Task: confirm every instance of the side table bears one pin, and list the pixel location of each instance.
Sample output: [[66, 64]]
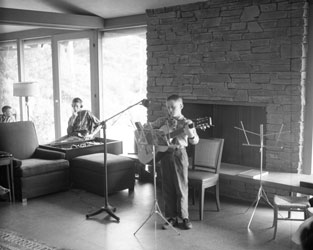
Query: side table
[[6, 160]]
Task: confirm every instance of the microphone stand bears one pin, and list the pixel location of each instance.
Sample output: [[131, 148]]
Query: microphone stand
[[107, 207]]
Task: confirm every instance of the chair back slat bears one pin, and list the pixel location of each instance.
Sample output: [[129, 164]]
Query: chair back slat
[[208, 154]]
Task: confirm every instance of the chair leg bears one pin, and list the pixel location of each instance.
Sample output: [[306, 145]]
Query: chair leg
[[201, 202], [275, 222], [217, 197], [193, 196]]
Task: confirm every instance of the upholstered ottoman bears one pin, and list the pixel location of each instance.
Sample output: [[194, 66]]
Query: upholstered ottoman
[[87, 172]]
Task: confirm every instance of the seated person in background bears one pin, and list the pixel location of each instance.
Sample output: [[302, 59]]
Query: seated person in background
[[7, 115], [82, 125], [307, 237], [304, 235]]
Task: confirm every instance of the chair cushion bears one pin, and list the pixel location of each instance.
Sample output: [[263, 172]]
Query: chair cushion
[[291, 202], [203, 176], [34, 166], [95, 162]]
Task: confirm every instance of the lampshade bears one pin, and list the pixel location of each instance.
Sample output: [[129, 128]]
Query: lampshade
[[25, 89]]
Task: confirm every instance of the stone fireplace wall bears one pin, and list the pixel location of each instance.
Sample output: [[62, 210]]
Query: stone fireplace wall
[[236, 52]]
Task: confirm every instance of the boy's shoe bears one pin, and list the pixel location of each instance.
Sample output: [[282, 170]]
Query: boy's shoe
[[187, 224], [171, 221], [3, 190]]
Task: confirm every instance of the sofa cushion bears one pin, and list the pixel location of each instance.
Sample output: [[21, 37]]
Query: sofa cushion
[[18, 138], [95, 162], [34, 166]]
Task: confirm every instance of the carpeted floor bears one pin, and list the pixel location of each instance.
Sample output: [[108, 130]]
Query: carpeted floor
[[13, 241]]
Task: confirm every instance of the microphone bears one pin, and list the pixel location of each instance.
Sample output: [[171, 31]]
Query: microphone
[[145, 103]]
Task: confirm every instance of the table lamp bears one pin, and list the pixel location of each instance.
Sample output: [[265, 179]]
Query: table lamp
[[25, 89]]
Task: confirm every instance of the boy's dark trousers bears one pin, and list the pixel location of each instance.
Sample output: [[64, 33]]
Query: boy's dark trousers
[[174, 167]]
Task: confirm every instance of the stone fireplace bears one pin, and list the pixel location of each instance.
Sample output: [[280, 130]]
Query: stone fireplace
[[225, 118], [241, 54]]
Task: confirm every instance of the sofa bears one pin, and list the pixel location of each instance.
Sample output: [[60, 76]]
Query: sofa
[[42, 169], [37, 171]]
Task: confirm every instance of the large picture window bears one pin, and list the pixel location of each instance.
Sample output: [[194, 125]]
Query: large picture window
[[124, 81], [74, 75], [8, 75], [38, 68]]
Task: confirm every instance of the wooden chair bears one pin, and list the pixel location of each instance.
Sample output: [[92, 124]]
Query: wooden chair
[[205, 168], [289, 204]]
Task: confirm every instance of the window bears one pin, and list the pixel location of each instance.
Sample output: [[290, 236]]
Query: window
[[8, 75], [49, 110], [124, 81], [74, 74], [38, 68]]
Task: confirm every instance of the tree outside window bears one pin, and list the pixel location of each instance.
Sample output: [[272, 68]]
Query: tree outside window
[[8, 75], [38, 68], [124, 81]]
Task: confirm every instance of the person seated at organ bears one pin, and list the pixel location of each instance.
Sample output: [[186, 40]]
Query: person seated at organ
[[82, 123]]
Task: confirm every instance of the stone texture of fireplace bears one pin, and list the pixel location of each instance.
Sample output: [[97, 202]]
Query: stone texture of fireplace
[[236, 53]]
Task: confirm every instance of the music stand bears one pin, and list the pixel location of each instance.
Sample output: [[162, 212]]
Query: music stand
[[261, 191], [107, 207], [147, 137]]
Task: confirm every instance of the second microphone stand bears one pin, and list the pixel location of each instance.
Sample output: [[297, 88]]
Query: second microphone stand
[[107, 207]]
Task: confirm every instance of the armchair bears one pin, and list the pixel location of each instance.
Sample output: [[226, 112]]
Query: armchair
[[37, 171]]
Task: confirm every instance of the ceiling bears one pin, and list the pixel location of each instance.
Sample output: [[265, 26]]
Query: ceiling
[[102, 8]]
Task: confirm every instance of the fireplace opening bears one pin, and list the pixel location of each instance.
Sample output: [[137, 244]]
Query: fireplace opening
[[225, 118]]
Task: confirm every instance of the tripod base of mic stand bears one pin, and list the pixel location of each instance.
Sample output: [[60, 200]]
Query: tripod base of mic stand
[[108, 209], [261, 194], [156, 210]]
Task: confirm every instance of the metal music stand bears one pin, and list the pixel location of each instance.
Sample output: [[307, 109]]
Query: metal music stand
[[107, 207], [148, 137], [261, 192]]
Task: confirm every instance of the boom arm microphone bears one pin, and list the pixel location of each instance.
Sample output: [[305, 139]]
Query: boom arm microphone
[[145, 103]]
